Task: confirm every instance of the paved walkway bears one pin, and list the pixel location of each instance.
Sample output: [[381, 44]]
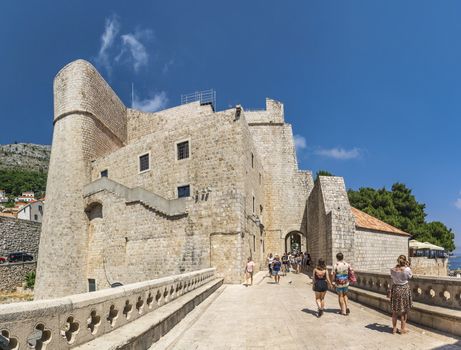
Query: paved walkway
[[270, 316]]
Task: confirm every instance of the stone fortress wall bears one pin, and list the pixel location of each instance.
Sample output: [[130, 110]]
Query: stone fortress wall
[[17, 235], [286, 187], [247, 195], [332, 229]]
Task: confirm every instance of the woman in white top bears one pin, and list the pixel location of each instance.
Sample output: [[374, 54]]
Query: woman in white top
[[400, 293]]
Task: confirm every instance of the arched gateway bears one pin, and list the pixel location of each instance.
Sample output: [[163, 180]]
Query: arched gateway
[[294, 242]]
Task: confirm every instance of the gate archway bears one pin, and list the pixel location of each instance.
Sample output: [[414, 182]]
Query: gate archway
[[293, 242]]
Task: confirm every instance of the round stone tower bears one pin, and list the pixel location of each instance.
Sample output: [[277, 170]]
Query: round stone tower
[[89, 122]]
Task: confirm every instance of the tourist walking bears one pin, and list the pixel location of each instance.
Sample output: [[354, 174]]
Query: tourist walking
[[341, 279], [269, 264], [321, 282], [400, 293], [285, 267], [249, 268], [276, 266], [299, 261]]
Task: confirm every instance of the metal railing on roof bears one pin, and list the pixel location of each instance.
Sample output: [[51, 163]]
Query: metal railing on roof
[[205, 97]]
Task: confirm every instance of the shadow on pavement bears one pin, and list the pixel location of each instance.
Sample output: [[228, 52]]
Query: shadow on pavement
[[379, 327], [455, 346], [309, 311]]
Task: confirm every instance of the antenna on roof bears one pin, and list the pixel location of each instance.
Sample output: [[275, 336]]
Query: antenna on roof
[[132, 94]]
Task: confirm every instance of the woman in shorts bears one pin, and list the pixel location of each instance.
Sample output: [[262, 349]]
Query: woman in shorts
[[321, 282]]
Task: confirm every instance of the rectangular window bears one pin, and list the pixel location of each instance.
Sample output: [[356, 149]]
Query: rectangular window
[[254, 243], [91, 285], [183, 150], [105, 173], [144, 162], [252, 160], [35, 217], [183, 191], [253, 204]]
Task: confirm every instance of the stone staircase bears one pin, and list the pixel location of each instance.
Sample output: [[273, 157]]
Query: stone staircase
[[170, 208]]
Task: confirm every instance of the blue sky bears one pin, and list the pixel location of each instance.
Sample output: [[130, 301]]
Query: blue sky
[[372, 88]]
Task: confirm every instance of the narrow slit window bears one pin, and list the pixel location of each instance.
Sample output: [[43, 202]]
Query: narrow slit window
[[144, 162], [183, 150], [252, 160]]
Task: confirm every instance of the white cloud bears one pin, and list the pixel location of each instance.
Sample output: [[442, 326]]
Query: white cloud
[[339, 153], [133, 50], [156, 103], [458, 202], [111, 29], [300, 142]]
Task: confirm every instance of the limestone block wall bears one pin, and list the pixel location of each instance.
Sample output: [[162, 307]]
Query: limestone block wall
[[377, 251], [132, 243], [14, 275], [223, 181], [331, 224], [18, 235], [88, 123], [286, 188], [429, 267], [319, 227], [342, 222]]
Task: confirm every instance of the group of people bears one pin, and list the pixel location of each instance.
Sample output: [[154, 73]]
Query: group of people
[[342, 275], [293, 261]]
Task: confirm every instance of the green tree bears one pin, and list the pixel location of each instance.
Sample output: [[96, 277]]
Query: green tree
[[399, 207], [16, 181], [322, 173]]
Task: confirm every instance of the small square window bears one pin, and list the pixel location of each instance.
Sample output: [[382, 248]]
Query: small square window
[[144, 162], [35, 217], [105, 173], [183, 150], [183, 191]]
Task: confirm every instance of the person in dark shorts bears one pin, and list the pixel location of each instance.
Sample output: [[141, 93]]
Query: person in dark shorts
[[285, 264], [321, 282], [276, 267]]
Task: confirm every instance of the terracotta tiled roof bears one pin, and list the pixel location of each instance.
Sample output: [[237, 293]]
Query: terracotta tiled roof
[[364, 220]]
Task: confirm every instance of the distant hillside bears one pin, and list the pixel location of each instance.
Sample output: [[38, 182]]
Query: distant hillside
[[25, 156]]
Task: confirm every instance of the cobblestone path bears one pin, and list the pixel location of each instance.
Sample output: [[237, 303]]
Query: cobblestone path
[[270, 316]]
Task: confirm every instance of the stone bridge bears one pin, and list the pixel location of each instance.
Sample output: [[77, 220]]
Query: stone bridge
[[196, 311]]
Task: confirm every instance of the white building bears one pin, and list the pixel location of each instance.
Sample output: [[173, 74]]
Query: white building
[[26, 197], [3, 197], [32, 211]]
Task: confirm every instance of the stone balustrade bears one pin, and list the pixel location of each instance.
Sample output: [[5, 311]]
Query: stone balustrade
[[70, 321], [436, 291]]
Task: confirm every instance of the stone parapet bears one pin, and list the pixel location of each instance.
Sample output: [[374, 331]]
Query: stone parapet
[[67, 322], [437, 291]]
